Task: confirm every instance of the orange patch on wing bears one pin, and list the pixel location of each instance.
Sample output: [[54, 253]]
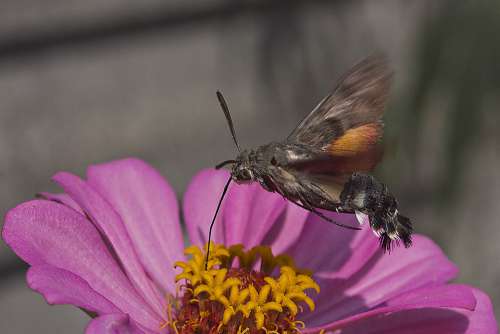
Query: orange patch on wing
[[361, 162], [354, 141]]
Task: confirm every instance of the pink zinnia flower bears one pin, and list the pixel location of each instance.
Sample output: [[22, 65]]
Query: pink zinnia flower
[[109, 245]]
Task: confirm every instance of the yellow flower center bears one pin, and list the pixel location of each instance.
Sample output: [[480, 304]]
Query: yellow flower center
[[220, 298]]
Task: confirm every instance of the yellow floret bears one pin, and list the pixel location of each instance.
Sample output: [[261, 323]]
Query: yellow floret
[[278, 294]]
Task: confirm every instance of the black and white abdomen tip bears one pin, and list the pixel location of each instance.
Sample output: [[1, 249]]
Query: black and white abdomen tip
[[399, 229]]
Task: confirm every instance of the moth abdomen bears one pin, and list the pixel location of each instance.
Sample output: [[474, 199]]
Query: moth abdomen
[[363, 193]]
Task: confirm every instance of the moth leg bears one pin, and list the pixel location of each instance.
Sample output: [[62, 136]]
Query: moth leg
[[295, 195], [334, 222], [326, 203], [299, 205], [308, 207]]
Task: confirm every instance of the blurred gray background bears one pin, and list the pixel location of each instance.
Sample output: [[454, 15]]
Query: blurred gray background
[[83, 82]]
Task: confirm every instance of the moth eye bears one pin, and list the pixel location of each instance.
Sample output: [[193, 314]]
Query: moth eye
[[273, 161], [245, 174]]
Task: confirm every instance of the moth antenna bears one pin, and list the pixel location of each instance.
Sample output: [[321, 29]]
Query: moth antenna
[[213, 220], [225, 109]]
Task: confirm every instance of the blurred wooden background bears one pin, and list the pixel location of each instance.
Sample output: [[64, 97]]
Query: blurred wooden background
[[83, 82]]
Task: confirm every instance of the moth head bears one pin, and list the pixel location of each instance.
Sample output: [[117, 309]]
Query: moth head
[[242, 173]]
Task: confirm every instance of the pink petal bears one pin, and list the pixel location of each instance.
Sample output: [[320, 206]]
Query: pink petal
[[450, 295], [286, 230], [60, 286], [200, 202], [47, 233], [444, 296], [324, 247], [112, 324], [482, 319], [148, 207], [110, 225], [388, 275], [454, 309], [63, 199], [358, 276], [248, 215]]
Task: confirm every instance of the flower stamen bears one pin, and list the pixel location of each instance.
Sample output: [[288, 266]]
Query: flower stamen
[[229, 296]]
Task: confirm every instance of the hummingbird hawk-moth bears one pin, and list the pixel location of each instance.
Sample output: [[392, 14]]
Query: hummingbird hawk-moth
[[322, 163]]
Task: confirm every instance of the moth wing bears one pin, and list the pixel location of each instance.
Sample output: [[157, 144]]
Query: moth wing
[[330, 169], [331, 185], [345, 129], [358, 101]]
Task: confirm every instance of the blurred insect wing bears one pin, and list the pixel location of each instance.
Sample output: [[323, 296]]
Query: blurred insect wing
[[343, 132], [358, 101]]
